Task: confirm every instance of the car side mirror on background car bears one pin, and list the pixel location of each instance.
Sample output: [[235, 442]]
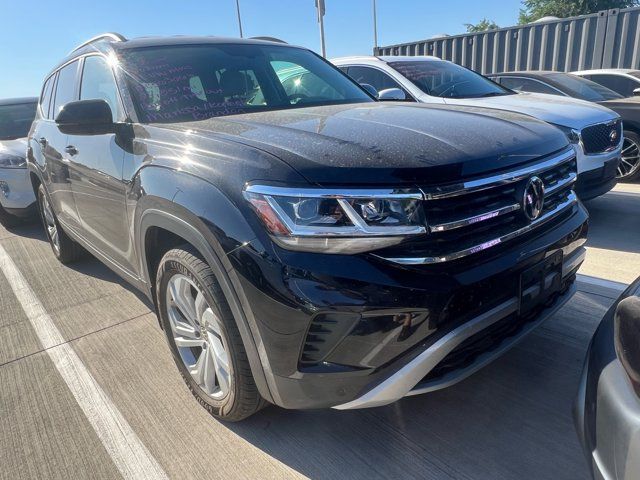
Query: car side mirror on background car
[[370, 89], [636, 92], [391, 94], [627, 337], [85, 117]]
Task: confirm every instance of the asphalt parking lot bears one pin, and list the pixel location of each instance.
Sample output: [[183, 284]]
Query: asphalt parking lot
[[511, 420]]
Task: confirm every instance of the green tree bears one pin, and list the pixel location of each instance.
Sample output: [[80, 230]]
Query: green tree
[[482, 26], [534, 9]]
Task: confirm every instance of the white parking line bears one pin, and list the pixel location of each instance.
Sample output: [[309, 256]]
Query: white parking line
[[128, 453]]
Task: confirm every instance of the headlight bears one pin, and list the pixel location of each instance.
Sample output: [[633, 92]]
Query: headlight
[[572, 134], [337, 221], [12, 161]]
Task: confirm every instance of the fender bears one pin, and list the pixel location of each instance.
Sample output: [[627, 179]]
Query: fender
[[155, 211]]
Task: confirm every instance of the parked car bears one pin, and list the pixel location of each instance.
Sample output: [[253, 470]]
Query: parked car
[[16, 193], [624, 81], [607, 409], [595, 131], [568, 85], [310, 248]]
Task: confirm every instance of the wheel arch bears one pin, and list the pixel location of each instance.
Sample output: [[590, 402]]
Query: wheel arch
[[173, 230]]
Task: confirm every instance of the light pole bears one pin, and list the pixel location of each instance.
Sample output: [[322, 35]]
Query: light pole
[[239, 19], [320, 8], [375, 27]]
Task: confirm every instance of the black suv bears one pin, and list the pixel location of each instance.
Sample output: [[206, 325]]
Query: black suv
[[304, 244]]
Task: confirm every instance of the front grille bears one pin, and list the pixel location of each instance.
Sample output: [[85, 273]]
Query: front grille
[[601, 137], [479, 214]]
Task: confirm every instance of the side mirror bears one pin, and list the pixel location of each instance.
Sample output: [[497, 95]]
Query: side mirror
[[627, 337], [85, 117], [392, 94], [371, 89], [636, 92]]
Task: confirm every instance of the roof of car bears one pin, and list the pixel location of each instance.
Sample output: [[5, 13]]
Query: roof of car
[[607, 70], [384, 58], [105, 43], [17, 101]]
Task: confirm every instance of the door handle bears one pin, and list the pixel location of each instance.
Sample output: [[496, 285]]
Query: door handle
[[42, 141], [71, 150]]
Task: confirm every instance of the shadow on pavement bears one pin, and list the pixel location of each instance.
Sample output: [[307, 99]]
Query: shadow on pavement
[[615, 222]]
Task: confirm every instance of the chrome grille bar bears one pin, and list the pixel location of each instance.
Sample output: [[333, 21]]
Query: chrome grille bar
[[571, 200], [564, 183], [464, 222], [505, 178]]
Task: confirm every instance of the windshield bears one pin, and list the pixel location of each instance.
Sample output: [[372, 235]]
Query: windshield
[[15, 120], [186, 83], [445, 79], [582, 88]]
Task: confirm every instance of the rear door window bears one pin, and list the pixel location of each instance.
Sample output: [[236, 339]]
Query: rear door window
[[527, 85], [66, 87], [623, 85], [45, 98]]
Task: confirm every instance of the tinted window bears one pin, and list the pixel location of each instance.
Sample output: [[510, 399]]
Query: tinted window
[[622, 85], [527, 85], [186, 83], [16, 119], [445, 79], [582, 88], [98, 83], [45, 99], [65, 89], [374, 77]]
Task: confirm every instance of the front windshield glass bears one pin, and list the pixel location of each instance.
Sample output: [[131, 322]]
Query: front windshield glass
[[16, 119], [448, 80], [582, 88], [186, 83]]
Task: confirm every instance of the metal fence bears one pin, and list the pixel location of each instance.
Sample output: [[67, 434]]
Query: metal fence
[[607, 39]]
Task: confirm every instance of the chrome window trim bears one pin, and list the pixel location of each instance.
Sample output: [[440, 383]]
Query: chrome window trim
[[464, 188], [571, 200]]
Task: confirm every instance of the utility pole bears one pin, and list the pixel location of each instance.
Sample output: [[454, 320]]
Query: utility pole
[[375, 28], [320, 8], [239, 19]]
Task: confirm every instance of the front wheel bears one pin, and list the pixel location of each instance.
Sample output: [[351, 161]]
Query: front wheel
[[203, 336], [629, 168]]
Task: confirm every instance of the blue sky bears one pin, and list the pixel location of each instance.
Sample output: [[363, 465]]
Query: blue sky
[[35, 34]]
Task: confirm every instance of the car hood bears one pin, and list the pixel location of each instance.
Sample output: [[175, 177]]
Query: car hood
[[16, 147], [565, 111], [388, 143]]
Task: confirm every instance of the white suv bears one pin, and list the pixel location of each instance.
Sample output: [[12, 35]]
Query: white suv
[[595, 131]]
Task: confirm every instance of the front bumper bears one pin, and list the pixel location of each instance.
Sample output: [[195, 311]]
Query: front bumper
[[596, 173], [335, 327], [607, 409], [16, 191]]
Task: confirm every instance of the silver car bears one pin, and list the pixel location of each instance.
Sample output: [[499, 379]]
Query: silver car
[[16, 193], [595, 131]]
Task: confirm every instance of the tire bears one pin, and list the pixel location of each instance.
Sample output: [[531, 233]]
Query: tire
[[207, 334], [64, 248], [629, 169], [7, 219]]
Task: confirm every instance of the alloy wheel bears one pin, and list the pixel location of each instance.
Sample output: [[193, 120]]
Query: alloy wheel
[[199, 337], [630, 162], [50, 224]]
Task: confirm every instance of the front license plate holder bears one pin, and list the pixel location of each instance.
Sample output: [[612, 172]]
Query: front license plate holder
[[540, 282]]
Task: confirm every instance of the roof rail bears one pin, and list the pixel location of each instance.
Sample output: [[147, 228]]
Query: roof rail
[[114, 37], [269, 39]]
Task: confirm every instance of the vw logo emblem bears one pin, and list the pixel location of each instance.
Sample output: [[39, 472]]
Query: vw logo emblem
[[533, 200], [613, 136]]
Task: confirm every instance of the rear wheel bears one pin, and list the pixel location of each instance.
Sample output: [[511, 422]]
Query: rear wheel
[[64, 248], [629, 168], [203, 336]]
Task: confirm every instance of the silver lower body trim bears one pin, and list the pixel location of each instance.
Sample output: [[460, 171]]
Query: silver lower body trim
[[404, 381]]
